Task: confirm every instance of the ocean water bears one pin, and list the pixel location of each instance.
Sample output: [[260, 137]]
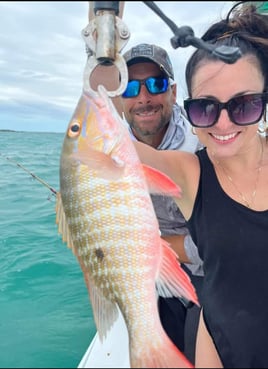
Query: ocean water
[[46, 318]]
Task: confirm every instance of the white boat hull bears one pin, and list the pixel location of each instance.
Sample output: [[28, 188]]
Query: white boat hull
[[113, 352]]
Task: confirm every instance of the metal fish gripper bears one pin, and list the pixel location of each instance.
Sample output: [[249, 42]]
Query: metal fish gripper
[[105, 36]]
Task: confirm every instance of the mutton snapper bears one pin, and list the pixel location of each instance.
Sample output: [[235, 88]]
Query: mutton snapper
[[105, 214]]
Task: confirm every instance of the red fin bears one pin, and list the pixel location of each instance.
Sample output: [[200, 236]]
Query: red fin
[[159, 183], [172, 279]]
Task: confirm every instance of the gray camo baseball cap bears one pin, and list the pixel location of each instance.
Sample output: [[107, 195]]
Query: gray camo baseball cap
[[149, 52]]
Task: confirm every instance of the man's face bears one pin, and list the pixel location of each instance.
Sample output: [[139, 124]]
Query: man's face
[[148, 114]]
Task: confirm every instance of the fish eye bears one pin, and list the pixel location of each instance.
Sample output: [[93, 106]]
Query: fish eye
[[74, 129]]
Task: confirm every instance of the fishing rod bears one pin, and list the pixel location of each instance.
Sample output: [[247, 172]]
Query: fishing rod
[[54, 192], [183, 36]]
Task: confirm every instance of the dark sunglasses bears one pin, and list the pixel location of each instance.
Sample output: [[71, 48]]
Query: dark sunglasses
[[154, 85], [242, 110]]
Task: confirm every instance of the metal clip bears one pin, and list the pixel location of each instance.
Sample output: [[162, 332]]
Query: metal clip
[[105, 36]]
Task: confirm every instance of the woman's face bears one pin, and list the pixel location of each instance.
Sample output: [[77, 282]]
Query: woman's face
[[223, 82]]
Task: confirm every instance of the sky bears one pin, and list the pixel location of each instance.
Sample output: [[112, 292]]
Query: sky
[[42, 54]]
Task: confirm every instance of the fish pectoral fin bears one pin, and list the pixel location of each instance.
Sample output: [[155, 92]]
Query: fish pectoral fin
[[105, 311], [172, 279], [63, 227], [159, 183], [104, 165]]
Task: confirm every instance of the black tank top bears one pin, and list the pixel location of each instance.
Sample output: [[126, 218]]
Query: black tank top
[[233, 242]]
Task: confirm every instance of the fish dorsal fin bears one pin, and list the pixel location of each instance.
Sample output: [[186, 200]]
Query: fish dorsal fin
[[172, 279], [63, 227], [159, 183]]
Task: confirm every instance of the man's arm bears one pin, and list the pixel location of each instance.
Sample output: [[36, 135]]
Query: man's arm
[[176, 241], [187, 251]]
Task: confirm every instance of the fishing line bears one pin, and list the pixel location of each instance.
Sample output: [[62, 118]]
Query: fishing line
[[54, 192]]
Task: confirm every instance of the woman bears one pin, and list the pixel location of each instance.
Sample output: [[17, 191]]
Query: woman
[[225, 191]]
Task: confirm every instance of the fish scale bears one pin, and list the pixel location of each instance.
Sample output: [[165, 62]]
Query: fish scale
[[105, 214]]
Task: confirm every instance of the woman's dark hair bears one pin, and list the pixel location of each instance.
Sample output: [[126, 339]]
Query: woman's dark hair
[[244, 27]]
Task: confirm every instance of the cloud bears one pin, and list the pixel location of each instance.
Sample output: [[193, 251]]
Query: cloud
[[42, 53]]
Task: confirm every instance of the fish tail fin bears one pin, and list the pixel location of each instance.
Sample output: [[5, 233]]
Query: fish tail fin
[[167, 355]]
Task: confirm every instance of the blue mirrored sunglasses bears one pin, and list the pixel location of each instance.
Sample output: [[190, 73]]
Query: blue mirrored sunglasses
[[154, 85]]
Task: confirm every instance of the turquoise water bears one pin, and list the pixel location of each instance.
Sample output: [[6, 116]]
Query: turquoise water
[[46, 317]]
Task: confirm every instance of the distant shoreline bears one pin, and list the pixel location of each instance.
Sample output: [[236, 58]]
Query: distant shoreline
[[15, 131]]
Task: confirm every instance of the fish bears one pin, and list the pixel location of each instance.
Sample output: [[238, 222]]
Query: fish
[[105, 215]]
